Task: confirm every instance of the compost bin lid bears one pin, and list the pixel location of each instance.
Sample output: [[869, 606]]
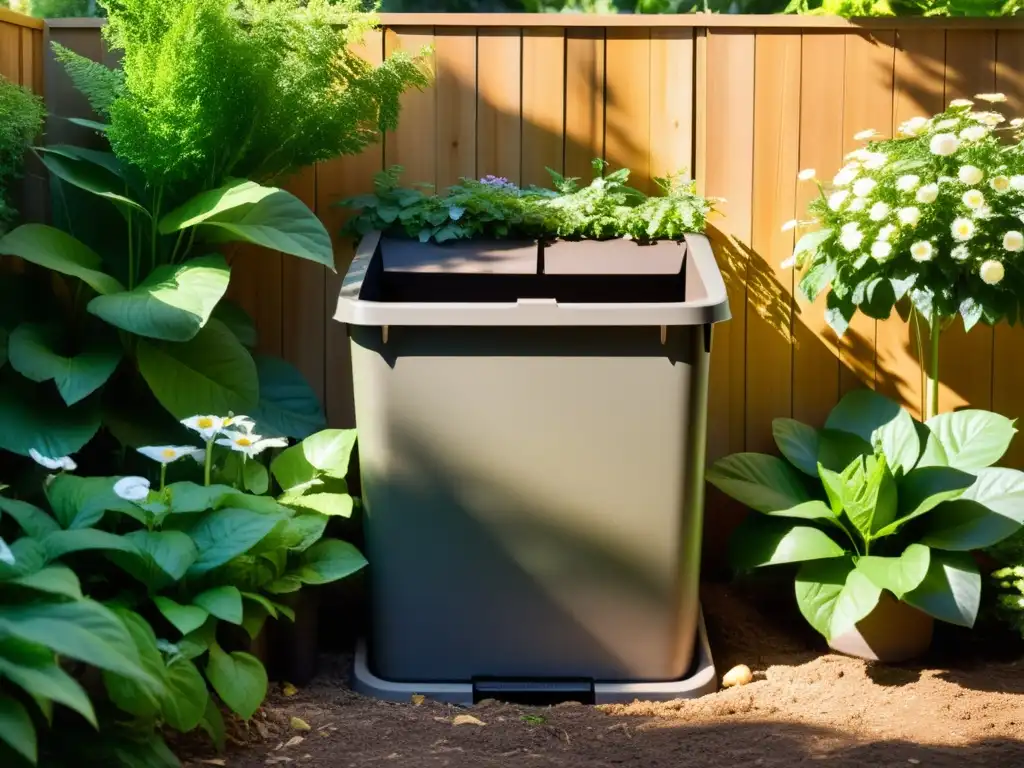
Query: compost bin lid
[[503, 257]]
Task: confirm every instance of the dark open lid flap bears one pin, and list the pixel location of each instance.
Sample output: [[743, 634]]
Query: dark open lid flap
[[506, 257]]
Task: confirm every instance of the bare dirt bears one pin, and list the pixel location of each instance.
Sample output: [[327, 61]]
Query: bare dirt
[[962, 706]]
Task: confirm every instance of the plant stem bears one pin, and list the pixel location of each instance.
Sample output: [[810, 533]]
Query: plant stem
[[915, 320], [163, 476], [177, 245], [131, 253], [932, 399], [156, 218], [853, 541], [209, 462]]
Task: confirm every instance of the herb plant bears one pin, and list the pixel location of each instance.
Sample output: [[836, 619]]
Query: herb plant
[[21, 119], [876, 501]]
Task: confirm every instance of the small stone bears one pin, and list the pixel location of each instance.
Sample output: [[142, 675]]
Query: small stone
[[288, 689], [738, 675], [294, 741], [418, 699], [298, 724], [912, 761], [467, 720]]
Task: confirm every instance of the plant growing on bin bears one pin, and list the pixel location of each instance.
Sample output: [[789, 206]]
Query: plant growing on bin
[[217, 102], [21, 120], [876, 501]]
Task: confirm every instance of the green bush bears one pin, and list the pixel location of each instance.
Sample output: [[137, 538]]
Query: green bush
[[21, 120]]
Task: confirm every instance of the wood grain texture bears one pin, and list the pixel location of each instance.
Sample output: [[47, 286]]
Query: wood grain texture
[[455, 58], [628, 104], [499, 105], [543, 104], [414, 145], [769, 371], [672, 95], [10, 52], [584, 100], [15, 19]]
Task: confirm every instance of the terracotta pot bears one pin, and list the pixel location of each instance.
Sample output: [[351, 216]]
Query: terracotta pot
[[613, 257], [893, 632]]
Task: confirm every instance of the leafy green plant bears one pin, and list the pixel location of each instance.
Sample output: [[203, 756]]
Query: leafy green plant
[[215, 103], [1009, 599], [856, 8], [876, 501], [21, 120]]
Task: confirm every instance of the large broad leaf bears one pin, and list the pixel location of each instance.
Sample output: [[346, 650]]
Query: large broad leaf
[[63, 543], [329, 560], [798, 442], [51, 248], [952, 589], [325, 454], [32, 520], [288, 407], [141, 698], [53, 579], [35, 418], [868, 495], [164, 557], [900, 574], [837, 449], [255, 478], [189, 498], [881, 422], [34, 668], [238, 193], [986, 513], [238, 321], [761, 482], [340, 505], [80, 502], [95, 172], [923, 489], [185, 618], [213, 723], [212, 373], [36, 353], [226, 533], [760, 541], [29, 557], [239, 679], [82, 630], [833, 595], [172, 304], [303, 531], [223, 602], [187, 697], [972, 439], [16, 729]]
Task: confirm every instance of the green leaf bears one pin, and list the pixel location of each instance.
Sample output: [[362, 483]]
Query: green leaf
[[54, 580], [760, 541], [212, 373], [53, 249], [952, 589], [900, 574], [139, 697], [238, 322], [198, 641], [213, 724], [923, 489], [16, 729], [883, 423], [226, 533], [32, 520], [989, 511], [172, 304], [186, 701], [189, 498], [185, 618], [82, 630], [972, 439], [836, 449], [253, 620], [761, 482], [259, 599], [879, 298], [80, 502], [839, 313], [816, 279], [329, 560], [163, 557], [239, 679], [326, 453], [303, 531], [971, 310], [285, 585], [223, 602], [248, 212], [255, 477], [35, 353], [288, 406], [810, 242], [833, 595], [340, 504], [29, 557], [81, 168], [798, 442], [63, 543], [37, 672], [35, 418], [869, 496]]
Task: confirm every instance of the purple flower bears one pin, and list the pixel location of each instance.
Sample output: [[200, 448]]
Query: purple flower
[[498, 181]]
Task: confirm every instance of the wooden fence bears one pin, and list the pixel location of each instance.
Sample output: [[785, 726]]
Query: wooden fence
[[21, 62], [745, 102]]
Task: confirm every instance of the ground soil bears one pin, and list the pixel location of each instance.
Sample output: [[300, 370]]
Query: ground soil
[[962, 706]]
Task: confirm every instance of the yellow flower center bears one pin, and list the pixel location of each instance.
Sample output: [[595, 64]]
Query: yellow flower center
[[205, 422], [168, 453], [244, 442]]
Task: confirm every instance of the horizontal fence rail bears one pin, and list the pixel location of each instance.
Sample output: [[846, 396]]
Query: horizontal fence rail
[[742, 103]]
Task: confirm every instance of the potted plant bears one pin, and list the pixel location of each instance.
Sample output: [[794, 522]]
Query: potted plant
[[881, 512]]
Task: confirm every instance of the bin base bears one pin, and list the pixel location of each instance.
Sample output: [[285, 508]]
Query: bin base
[[702, 680]]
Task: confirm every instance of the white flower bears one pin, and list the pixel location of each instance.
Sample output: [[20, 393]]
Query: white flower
[[907, 183], [914, 126], [241, 422], [836, 199], [992, 272], [974, 133], [1013, 241], [878, 211], [250, 445], [999, 183], [206, 426], [984, 212], [909, 216], [845, 176], [928, 193], [875, 161], [851, 239], [970, 175], [921, 251], [64, 462], [857, 156], [881, 250], [974, 199], [960, 253], [886, 232], [165, 454], [791, 224], [6, 555], [858, 204], [991, 119], [1017, 182], [806, 174], [788, 263], [198, 455], [962, 229], [947, 125], [961, 103], [870, 133], [991, 98], [944, 144], [850, 226], [864, 187], [132, 488], [1017, 122]]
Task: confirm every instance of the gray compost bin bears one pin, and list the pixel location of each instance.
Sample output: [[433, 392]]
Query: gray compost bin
[[532, 459]]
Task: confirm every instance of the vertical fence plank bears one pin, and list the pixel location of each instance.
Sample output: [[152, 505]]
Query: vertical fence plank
[[918, 84], [543, 104], [499, 103], [815, 356], [584, 100], [672, 127], [455, 54], [10, 52], [414, 144], [628, 103], [769, 371], [965, 360]]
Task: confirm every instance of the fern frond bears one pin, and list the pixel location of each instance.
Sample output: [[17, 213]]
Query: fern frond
[[99, 84]]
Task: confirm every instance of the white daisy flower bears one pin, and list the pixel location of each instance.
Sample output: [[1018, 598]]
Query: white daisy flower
[[909, 216], [870, 133], [876, 161], [878, 211], [944, 144], [886, 232], [864, 187], [249, 444], [991, 119], [991, 98], [132, 488], [922, 251], [970, 175], [1013, 241], [198, 455], [206, 426], [1017, 122], [914, 126], [961, 253], [974, 133], [907, 183], [851, 239], [65, 463], [858, 204], [881, 250], [836, 199], [845, 176], [927, 194], [165, 454], [241, 422], [992, 272], [961, 103], [1017, 183], [806, 175], [962, 229], [974, 199], [999, 183]]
